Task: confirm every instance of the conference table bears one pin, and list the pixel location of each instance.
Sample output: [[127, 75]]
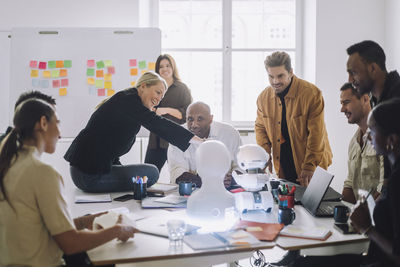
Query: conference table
[[150, 250]]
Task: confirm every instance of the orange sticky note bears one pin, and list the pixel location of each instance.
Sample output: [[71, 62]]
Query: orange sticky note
[[134, 72], [99, 73], [133, 83], [107, 77], [60, 64], [90, 81], [46, 74], [63, 73], [108, 85], [143, 72], [152, 66], [62, 91], [34, 73], [110, 92]]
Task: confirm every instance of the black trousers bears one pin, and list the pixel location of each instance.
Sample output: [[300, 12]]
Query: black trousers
[[156, 157]]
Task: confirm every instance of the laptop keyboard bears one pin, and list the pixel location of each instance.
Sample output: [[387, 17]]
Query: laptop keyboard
[[325, 209]]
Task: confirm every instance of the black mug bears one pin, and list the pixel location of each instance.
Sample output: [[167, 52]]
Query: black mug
[[341, 214], [139, 191], [286, 215], [186, 188]]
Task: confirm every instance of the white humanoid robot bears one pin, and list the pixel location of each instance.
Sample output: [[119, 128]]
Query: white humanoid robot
[[251, 159]]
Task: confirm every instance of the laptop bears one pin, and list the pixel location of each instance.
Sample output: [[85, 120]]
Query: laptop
[[312, 198]]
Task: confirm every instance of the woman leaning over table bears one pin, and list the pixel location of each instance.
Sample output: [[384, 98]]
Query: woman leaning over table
[[173, 106], [111, 132], [35, 225], [384, 249]]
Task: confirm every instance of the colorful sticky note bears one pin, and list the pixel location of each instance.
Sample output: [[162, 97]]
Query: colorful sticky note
[[46, 74], [100, 64], [90, 81], [62, 91], [59, 64], [132, 63], [108, 85], [67, 63], [33, 64], [110, 92], [44, 83], [63, 73], [101, 92], [152, 66], [99, 73], [134, 72], [99, 83], [107, 77], [35, 83], [107, 63], [142, 64], [90, 63], [55, 73], [42, 65], [64, 82], [143, 72], [56, 83], [92, 90], [133, 83], [34, 73], [111, 70], [51, 64], [90, 72]]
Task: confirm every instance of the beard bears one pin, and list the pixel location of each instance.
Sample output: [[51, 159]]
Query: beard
[[366, 87]]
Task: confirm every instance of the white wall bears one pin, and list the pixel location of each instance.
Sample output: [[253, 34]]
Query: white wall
[[392, 37], [339, 24]]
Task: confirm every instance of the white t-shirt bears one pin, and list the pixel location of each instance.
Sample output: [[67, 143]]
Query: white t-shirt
[[35, 190], [180, 162]]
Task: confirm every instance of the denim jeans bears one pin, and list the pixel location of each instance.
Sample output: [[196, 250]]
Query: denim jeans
[[119, 179]]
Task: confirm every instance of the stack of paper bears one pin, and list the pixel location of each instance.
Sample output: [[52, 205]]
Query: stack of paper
[[307, 232], [162, 188], [95, 198]]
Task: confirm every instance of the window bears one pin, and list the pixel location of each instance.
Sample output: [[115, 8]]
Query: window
[[220, 47]]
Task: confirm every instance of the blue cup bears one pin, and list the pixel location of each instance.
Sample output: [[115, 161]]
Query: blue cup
[[286, 215]]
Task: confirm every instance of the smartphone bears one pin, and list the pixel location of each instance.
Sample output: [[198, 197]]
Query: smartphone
[[345, 228], [124, 198]]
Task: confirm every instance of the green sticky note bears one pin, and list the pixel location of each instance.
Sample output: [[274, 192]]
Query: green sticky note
[[52, 64], [107, 63], [90, 72], [67, 63], [142, 64], [100, 64], [99, 84], [55, 73]]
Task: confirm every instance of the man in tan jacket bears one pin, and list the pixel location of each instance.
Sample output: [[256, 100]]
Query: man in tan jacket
[[290, 122]]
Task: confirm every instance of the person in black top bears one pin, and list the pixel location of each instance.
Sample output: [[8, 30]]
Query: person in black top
[[384, 249], [173, 106], [111, 132]]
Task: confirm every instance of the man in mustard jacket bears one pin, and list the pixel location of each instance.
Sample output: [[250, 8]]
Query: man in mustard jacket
[[290, 122]]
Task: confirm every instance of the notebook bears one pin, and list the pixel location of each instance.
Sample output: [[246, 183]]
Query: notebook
[[312, 198], [306, 232], [162, 188], [95, 198], [261, 231]]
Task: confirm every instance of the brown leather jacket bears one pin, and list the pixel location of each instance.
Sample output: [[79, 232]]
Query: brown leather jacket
[[305, 121]]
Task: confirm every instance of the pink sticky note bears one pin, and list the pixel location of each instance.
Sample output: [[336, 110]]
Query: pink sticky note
[[56, 83], [90, 63], [64, 82], [101, 92], [132, 63], [111, 70], [42, 65], [33, 64]]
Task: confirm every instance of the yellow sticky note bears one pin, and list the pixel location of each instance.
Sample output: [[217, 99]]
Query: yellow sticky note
[[110, 92], [34, 73], [62, 91], [133, 83], [134, 72], [55, 73], [46, 74], [152, 66], [107, 63], [90, 81], [63, 73], [108, 85], [107, 77], [254, 229], [99, 84], [143, 72]]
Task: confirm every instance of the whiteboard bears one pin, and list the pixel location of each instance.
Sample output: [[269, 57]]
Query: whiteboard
[[80, 67], [5, 43]]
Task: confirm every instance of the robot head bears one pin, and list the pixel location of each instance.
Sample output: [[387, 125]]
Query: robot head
[[252, 157]]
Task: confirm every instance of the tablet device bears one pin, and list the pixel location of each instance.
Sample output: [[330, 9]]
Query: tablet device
[[344, 228], [124, 198]]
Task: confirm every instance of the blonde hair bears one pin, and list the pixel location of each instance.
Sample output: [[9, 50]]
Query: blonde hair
[[175, 74], [149, 79]]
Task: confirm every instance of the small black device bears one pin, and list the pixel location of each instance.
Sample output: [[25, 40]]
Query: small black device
[[124, 198], [345, 228]]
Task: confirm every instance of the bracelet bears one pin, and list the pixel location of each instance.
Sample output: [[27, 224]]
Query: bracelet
[[367, 230]]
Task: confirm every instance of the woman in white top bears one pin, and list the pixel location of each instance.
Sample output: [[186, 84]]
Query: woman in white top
[[35, 225]]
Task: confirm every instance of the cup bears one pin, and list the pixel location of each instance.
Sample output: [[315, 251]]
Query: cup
[[176, 231], [186, 188], [286, 201], [341, 214], [139, 191], [286, 215]]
